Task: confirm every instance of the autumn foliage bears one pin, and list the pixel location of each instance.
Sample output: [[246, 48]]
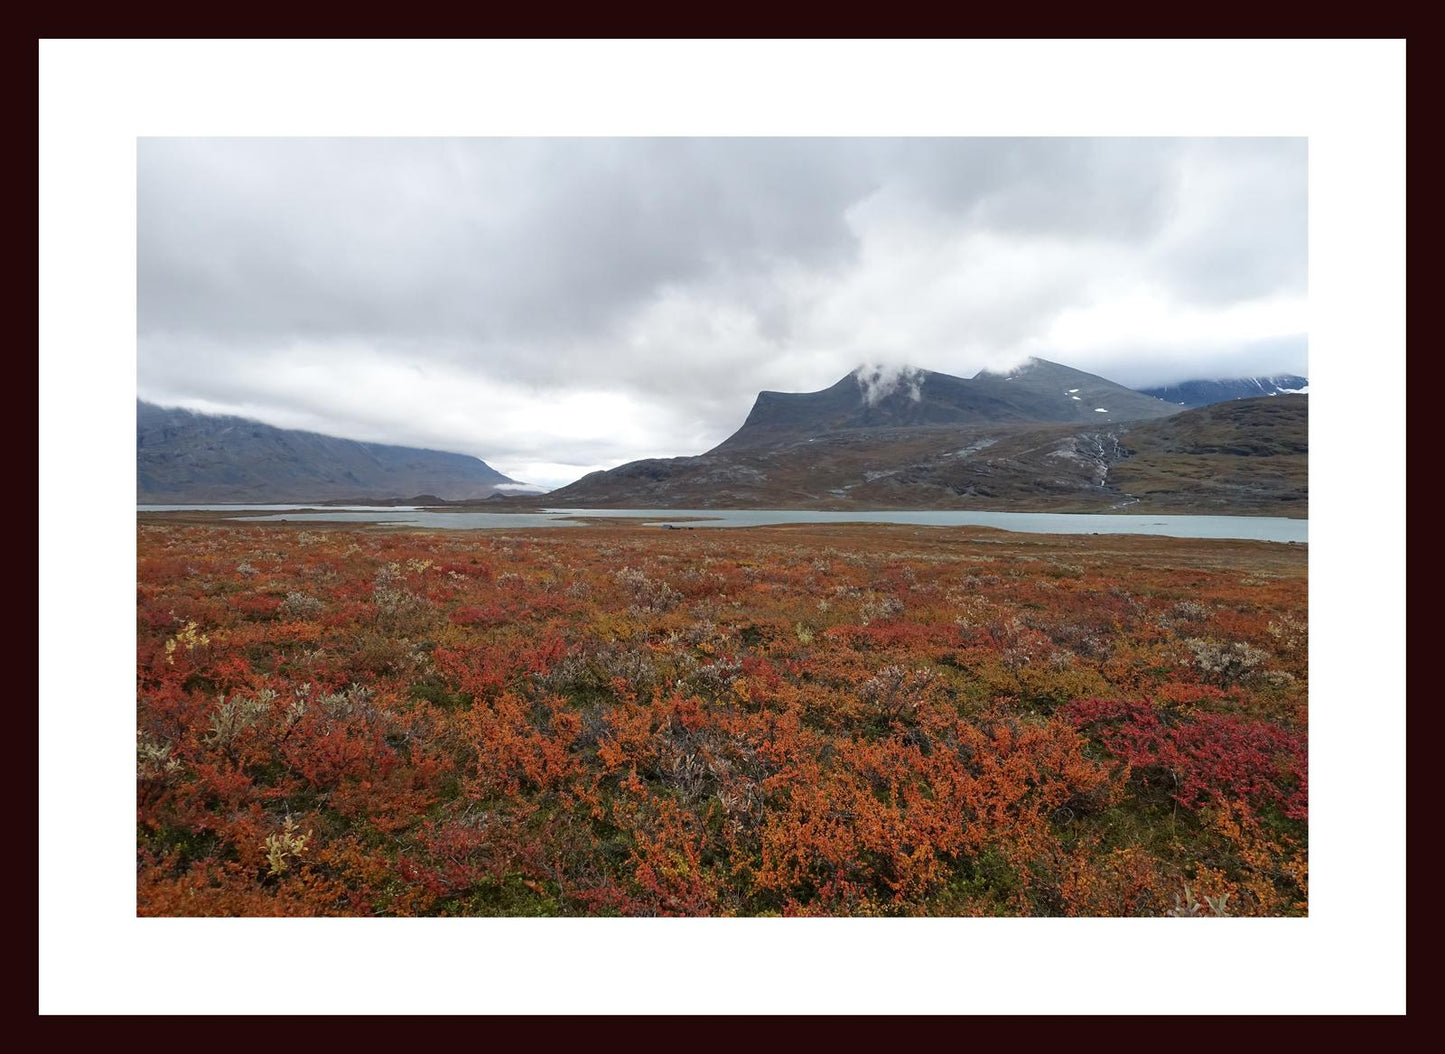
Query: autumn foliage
[[795, 721]]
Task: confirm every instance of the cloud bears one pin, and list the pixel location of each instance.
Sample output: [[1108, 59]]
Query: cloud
[[560, 305], [879, 380]]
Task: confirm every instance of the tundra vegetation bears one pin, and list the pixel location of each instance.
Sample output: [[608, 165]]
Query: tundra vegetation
[[617, 720]]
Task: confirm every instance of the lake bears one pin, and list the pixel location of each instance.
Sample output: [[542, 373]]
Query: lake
[[1253, 528]]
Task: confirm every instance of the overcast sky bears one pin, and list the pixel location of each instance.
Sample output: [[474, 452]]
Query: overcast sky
[[556, 306]]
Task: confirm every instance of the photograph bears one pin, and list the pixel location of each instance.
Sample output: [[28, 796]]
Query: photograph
[[723, 526]]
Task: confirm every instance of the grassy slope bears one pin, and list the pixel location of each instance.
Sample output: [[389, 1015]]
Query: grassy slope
[[1247, 455]]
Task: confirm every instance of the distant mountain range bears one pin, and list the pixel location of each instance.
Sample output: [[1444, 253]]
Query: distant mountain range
[[1043, 436], [1202, 393], [187, 457]]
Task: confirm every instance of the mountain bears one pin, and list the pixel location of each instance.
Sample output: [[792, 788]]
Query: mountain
[[997, 441], [1037, 392], [183, 456], [1202, 393]]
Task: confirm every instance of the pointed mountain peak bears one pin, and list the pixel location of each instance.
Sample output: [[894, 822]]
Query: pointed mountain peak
[[1029, 365]]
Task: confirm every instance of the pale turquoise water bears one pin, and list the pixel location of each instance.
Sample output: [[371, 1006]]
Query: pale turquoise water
[[1257, 528], [263, 508]]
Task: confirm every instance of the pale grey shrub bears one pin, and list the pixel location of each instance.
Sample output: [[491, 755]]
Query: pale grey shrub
[[300, 606], [1226, 662]]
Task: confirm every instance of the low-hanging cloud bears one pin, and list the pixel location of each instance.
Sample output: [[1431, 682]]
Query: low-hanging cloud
[[555, 306], [879, 380]]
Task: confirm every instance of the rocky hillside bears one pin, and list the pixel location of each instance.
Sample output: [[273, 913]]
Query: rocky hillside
[[1238, 457]]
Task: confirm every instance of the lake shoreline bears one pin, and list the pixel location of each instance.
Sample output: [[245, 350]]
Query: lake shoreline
[[533, 507], [1245, 528]]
